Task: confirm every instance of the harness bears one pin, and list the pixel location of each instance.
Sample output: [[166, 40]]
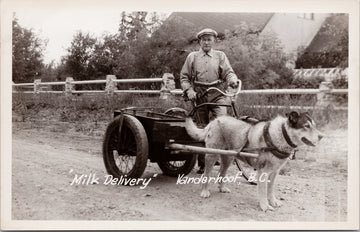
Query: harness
[[276, 152], [270, 145]]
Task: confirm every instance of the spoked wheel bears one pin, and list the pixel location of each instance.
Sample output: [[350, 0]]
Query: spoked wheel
[[246, 170], [174, 168], [125, 151]]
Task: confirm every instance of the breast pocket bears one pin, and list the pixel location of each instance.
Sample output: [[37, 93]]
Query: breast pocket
[[199, 68]]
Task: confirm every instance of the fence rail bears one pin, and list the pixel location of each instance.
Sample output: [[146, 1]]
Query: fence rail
[[324, 93], [180, 92], [337, 108], [293, 91], [175, 91], [136, 80]]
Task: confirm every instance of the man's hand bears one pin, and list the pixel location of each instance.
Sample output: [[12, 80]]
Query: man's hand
[[234, 82], [191, 94]]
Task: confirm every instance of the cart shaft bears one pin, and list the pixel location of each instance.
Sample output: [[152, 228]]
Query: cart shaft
[[203, 150]]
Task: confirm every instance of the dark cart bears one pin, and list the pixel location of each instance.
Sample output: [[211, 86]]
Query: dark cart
[[137, 135], [144, 135]]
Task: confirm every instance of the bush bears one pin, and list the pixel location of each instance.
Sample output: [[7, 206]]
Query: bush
[[306, 83], [340, 83], [258, 60], [99, 107]]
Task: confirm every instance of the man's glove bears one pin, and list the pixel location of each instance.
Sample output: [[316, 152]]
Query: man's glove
[[233, 82], [191, 94]]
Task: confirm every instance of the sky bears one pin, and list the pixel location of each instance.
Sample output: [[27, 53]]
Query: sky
[[59, 25]]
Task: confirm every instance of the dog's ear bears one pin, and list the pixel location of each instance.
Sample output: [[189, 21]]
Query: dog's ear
[[293, 118]]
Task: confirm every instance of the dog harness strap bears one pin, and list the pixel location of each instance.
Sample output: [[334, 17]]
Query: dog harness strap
[[286, 136], [272, 148]]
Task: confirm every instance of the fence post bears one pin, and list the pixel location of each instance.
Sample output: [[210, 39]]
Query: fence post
[[37, 86], [110, 84], [324, 99], [69, 87], [167, 85]]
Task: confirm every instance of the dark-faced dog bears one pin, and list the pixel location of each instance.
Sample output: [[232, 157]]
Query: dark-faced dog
[[273, 140]]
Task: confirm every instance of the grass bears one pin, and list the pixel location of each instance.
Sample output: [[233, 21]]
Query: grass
[[323, 117], [96, 108]]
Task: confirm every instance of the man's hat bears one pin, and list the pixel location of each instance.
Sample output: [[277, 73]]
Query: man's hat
[[206, 31]]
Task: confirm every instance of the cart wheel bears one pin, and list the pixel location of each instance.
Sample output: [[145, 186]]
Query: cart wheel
[[125, 154], [174, 168], [246, 170]]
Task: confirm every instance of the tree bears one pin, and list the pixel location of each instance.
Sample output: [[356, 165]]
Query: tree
[[107, 51], [170, 45], [123, 54], [78, 57], [135, 31], [48, 72], [140, 51], [258, 60], [27, 57], [135, 24]]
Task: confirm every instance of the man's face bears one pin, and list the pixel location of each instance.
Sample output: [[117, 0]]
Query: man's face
[[207, 42]]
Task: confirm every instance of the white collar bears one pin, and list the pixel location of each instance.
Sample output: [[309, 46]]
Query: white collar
[[209, 53]]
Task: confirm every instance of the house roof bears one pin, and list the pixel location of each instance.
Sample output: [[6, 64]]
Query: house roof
[[224, 21], [330, 33]]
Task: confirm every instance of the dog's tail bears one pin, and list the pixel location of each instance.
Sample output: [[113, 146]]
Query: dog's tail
[[195, 132]]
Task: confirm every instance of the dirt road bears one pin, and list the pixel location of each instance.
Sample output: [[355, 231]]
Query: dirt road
[[46, 160]]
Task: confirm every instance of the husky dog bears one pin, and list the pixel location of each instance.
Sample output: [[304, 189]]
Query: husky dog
[[273, 140]]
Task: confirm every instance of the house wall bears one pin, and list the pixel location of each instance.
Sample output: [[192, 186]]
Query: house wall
[[295, 29]]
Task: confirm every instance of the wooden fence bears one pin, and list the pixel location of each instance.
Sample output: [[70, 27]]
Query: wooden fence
[[325, 93], [328, 74]]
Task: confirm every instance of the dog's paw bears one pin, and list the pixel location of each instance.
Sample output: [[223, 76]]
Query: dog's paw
[[265, 206], [275, 202], [224, 189], [205, 193]]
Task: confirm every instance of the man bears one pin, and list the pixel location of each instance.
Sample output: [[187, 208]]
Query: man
[[203, 69]]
